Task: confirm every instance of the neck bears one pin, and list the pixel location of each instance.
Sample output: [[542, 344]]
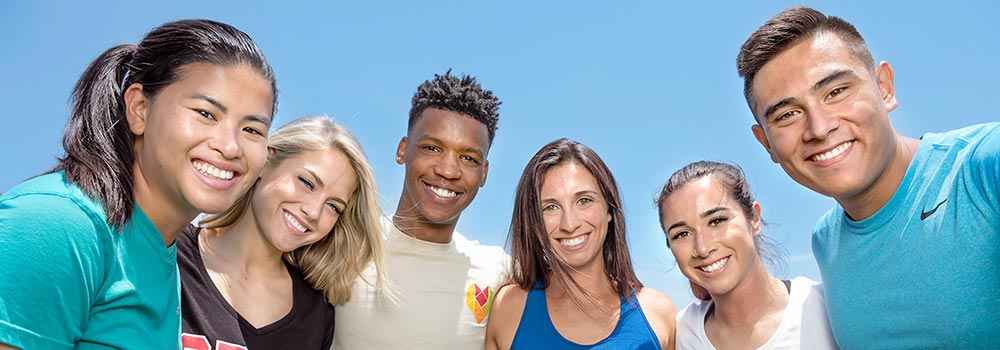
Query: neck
[[170, 220], [865, 204], [408, 223], [243, 246], [592, 278], [759, 296]]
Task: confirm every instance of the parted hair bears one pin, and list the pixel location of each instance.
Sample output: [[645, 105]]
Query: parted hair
[[97, 139], [333, 263], [457, 94], [532, 254], [784, 30]]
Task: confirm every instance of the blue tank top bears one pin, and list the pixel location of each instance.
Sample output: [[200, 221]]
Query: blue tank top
[[536, 331]]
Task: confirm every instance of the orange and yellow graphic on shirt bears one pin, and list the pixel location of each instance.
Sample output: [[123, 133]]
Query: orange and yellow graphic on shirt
[[479, 300]]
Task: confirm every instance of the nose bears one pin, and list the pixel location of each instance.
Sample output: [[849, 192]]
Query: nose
[[312, 207], [704, 244], [448, 168], [569, 221], [819, 125], [225, 141]]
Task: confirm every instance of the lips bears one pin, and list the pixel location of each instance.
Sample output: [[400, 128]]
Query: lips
[[294, 224], [215, 175], [715, 266], [574, 243], [441, 192], [833, 153]]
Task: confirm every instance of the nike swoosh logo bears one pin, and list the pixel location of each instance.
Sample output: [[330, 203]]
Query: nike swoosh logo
[[926, 214]]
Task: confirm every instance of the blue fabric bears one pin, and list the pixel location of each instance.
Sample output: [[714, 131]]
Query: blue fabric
[[915, 277], [536, 331], [70, 281]]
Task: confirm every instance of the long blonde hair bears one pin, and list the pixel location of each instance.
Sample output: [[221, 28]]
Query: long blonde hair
[[333, 263]]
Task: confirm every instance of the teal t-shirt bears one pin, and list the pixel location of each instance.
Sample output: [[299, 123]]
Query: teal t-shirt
[[922, 273], [69, 281]]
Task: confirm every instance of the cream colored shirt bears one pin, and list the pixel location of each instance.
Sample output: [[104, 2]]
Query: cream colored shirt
[[443, 291]]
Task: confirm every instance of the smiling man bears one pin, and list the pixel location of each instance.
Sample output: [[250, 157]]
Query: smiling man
[[444, 284], [909, 255]]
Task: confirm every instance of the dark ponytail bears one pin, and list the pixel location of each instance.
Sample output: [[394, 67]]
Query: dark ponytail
[[98, 141]]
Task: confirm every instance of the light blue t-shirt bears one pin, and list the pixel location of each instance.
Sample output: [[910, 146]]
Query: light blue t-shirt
[[69, 281], [924, 271]]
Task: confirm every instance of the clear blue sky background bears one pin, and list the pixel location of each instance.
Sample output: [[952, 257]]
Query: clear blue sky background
[[650, 86]]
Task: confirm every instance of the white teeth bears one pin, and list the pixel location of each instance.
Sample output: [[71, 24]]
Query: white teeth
[[443, 192], [572, 242], [716, 266], [833, 153], [294, 222], [210, 170]]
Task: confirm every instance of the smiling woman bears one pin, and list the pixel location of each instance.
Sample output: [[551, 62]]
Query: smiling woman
[[264, 273], [573, 284], [159, 132]]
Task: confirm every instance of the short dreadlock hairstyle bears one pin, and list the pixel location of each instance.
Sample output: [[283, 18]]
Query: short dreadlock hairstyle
[[457, 94]]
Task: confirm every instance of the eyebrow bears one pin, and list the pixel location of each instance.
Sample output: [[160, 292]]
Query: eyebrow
[[704, 214], [577, 194], [224, 109], [816, 87], [436, 140], [320, 183]]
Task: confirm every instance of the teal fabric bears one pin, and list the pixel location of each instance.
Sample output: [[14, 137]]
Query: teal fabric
[[915, 277], [70, 281]]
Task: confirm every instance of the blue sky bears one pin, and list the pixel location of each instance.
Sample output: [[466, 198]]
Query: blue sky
[[650, 86]]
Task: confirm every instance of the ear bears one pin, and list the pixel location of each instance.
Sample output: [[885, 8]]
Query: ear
[[486, 171], [886, 85], [755, 221], [136, 107], [401, 151], [758, 132]]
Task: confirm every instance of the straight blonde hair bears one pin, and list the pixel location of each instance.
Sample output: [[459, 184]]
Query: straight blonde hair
[[334, 263]]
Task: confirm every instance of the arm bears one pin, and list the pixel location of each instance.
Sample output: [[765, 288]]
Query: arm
[[505, 314], [52, 265], [661, 314]]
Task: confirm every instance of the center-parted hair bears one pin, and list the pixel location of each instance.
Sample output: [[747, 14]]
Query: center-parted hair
[[457, 94], [784, 30], [532, 254], [98, 141], [333, 263]]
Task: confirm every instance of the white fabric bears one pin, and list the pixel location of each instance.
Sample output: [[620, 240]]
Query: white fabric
[[431, 281], [804, 325]]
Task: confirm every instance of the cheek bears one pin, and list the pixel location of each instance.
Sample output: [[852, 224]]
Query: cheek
[[551, 223]]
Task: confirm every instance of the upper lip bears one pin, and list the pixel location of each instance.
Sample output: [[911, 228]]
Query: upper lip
[[445, 187], [829, 148], [222, 166], [712, 261], [304, 223]]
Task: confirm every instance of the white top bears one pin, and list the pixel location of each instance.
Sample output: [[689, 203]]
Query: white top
[[443, 294], [804, 326]]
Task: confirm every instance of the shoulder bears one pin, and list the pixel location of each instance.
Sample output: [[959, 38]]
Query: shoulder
[[482, 252], [54, 211], [661, 314], [505, 313]]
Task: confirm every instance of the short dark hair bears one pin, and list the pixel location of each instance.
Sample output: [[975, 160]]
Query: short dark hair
[[784, 30], [457, 94], [98, 141], [531, 250]]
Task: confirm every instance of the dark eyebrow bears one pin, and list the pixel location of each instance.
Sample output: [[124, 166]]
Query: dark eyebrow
[[259, 119], [706, 213], [775, 107], [211, 100], [830, 78]]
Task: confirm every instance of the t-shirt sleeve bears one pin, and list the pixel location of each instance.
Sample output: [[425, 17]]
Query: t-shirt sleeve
[[985, 166], [52, 267]]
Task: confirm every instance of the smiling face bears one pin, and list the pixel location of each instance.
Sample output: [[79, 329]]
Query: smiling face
[[576, 215], [445, 157], [711, 237], [823, 115], [200, 141], [298, 201]]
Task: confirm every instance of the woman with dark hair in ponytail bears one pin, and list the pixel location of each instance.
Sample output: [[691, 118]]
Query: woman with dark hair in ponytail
[[159, 132]]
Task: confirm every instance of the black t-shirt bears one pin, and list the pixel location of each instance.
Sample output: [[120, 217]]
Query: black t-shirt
[[209, 322]]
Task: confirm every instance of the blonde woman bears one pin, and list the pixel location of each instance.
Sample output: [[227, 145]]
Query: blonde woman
[[264, 273]]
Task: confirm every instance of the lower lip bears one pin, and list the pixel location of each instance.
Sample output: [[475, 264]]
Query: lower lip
[[291, 228], [215, 182], [586, 239], [716, 272], [439, 198], [838, 158]]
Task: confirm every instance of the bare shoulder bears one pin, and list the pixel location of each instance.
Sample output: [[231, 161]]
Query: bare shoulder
[[661, 314], [505, 316]]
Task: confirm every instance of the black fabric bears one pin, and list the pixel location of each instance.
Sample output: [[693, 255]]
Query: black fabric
[[208, 318], [788, 285]]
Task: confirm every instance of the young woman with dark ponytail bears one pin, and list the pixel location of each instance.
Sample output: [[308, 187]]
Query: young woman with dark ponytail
[[159, 132]]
